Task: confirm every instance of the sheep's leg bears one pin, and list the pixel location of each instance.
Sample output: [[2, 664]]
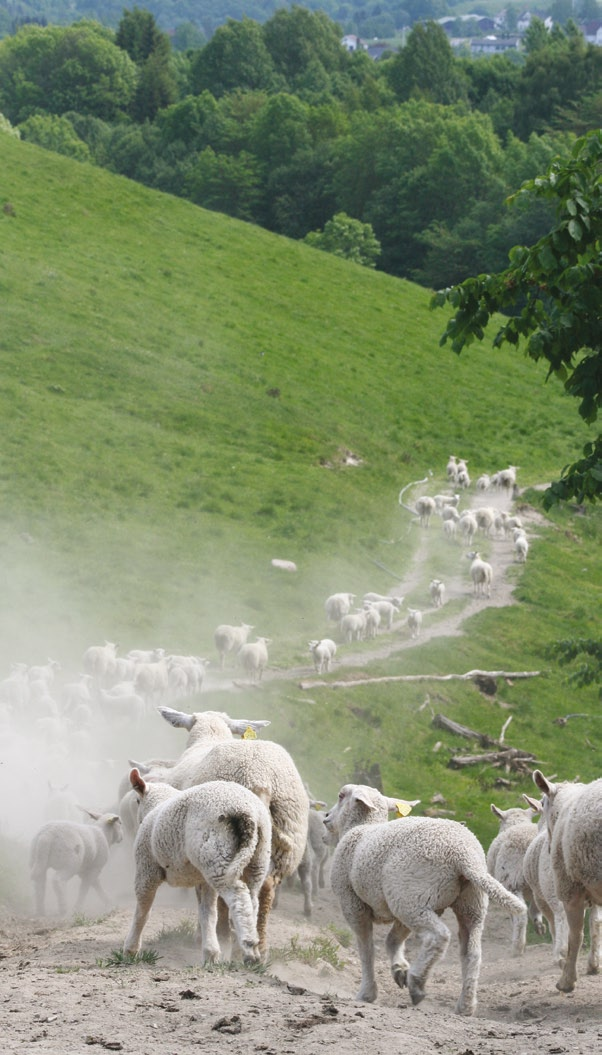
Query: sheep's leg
[[224, 934], [470, 911], [575, 911], [535, 915], [242, 914], [519, 930], [58, 885], [560, 935], [145, 895], [305, 870], [433, 936], [266, 898], [39, 885], [207, 913], [595, 935], [395, 946]]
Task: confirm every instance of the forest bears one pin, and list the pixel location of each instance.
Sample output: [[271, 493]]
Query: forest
[[277, 124]]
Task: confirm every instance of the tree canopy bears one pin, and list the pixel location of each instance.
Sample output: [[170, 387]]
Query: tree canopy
[[550, 299]]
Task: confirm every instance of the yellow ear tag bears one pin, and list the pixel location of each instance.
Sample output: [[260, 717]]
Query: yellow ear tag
[[402, 809], [249, 734]]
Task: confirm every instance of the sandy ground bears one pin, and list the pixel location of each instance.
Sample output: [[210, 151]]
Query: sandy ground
[[59, 994]]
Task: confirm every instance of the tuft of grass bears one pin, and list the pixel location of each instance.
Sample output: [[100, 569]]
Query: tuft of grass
[[79, 919], [342, 934], [184, 933], [118, 958], [320, 948]]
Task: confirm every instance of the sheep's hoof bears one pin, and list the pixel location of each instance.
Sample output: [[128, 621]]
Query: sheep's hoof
[[565, 987], [593, 968], [417, 994], [466, 1009], [367, 997], [400, 975], [539, 926]]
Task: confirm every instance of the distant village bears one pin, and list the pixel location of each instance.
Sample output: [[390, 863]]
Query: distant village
[[483, 34]]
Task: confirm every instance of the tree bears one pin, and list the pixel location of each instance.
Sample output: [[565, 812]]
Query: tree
[[351, 239], [55, 133], [297, 37], [53, 69], [550, 295], [426, 67], [235, 57], [139, 34]]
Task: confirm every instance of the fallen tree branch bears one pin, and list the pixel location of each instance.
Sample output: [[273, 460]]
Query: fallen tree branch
[[351, 683], [441, 722], [509, 757]]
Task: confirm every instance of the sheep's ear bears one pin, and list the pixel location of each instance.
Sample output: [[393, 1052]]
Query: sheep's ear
[[137, 782], [533, 803], [113, 818], [239, 726], [142, 768], [402, 807], [361, 796], [498, 813], [317, 804], [542, 783], [90, 813], [179, 719]]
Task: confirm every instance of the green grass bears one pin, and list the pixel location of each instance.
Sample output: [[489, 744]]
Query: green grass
[[118, 958], [148, 477]]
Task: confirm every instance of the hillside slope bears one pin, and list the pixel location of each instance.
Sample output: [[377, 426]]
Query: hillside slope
[[179, 391]]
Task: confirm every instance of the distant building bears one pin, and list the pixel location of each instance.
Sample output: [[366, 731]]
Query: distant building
[[524, 21], [493, 45], [592, 31]]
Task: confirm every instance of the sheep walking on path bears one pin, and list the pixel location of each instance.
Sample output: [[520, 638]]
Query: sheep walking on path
[[216, 838], [72, 849], [505, 861], [573, 814], [406, 873]]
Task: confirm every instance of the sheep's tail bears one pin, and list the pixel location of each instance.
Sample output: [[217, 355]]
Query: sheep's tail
[[246, 832], [498, 893]]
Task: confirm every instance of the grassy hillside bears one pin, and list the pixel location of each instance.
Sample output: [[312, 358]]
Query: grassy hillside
[[178, 393]]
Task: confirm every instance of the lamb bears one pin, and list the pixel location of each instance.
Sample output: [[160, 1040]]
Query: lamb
[[468, 525], [485, 518], [414, 622], [573, 815], [230, 639], [313, 863], [338, 605], [505, 859], [372, 620], [73, 849], [215, 837], [99, 661], [463, 478], [484, 482], [452, 468], [387, 610], [353, 626], [537, 868], [390, 599], [437, 592], [253, 657], [450, 528], [482, 575], [323, 652], [406, 873], [151, 680], [425, 507], [261, 766], [506, 478], [446, 501], [521, 548]]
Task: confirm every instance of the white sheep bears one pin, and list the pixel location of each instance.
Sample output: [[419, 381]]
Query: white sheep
[[406, 872], [215, 837], [372, 620], [450, 513], [230, 639], [151, 680], [323, 652], [481, 574], [446, 502], [450, 529], [521, 547], [451, 470], [425, 507], [387, 610], [483, 483], [123, 708], [573, 815], [262, 766], [76, 693], [72, 849], [437, 592], [353, 626], [338, 605], [505, 859], [99, 661], [414, 622], [506, 478], [485, 518], [394, 599], [538, 872], [313, 863], [468, 525], [463, 478], [253, 657]]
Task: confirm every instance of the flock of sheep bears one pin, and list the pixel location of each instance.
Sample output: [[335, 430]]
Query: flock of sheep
[[232, 817]]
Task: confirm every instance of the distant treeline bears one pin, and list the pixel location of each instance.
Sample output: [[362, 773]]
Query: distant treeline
[[277, 124]]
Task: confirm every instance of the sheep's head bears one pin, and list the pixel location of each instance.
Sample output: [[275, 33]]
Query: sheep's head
[[359, 804]]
